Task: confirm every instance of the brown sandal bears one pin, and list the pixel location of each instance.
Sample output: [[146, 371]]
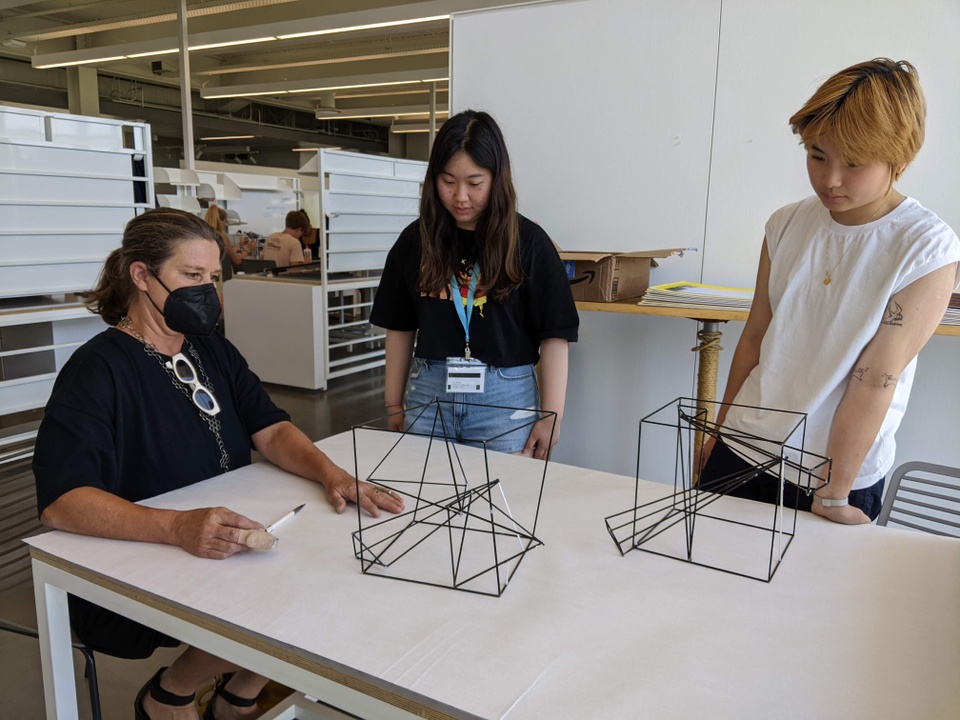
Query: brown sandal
[[220, 690]]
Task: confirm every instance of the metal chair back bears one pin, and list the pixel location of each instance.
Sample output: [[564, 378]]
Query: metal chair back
[[925, 497], [89, 663]]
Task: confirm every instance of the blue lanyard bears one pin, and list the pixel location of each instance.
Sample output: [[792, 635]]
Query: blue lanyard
[[465, 312]]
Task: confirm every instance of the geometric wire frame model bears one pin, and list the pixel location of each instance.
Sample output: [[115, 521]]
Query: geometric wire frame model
[[460, 532], [699, 525]]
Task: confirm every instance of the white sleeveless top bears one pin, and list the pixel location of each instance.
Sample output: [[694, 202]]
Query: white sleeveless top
[[818, 331]]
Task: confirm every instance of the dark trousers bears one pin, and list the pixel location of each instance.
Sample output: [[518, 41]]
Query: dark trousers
[[724, 462], [111, 634]]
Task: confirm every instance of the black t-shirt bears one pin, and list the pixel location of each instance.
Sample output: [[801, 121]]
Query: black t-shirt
[[116, 421], [503, 333]]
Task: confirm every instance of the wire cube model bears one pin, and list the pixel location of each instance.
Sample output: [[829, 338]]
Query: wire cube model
[[700, 525], [458, 531]]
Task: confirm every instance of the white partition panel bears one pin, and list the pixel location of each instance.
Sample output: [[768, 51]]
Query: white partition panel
[[606, 107], [770, 63], [41, 157], [365, 201], [68, 185]]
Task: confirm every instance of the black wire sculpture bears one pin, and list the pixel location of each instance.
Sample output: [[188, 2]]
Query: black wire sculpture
[[666, 526], [462, 532]]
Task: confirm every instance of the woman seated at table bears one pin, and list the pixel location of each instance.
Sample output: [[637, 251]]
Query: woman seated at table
[[155, 403]]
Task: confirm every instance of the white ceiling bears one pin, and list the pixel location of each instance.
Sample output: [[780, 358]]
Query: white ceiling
[[286, 72]]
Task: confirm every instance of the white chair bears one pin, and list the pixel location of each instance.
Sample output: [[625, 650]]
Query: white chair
[[925, 497]]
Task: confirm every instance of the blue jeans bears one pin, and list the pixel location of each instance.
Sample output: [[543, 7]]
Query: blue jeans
[[500, 418]]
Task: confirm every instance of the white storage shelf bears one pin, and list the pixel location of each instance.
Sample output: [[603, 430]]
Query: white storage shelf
[[365, 202], [33, 347], [68, 185]]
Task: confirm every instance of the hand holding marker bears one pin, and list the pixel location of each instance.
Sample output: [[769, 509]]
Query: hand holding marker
[[264, 539]]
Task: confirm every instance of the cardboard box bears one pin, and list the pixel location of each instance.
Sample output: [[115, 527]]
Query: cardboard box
[[609, 276]]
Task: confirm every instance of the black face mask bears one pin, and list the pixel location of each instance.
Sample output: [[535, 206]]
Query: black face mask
[[191, 310]]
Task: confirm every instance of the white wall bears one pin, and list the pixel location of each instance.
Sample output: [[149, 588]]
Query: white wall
[[773, 56], [642, 124]]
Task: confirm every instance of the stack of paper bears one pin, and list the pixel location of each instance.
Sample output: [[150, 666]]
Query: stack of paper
[[698, 295]]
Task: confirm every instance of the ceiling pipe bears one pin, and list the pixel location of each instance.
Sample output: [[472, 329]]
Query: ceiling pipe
[[186, 102]]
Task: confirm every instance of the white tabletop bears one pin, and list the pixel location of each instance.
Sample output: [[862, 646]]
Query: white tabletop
[[857, 622]]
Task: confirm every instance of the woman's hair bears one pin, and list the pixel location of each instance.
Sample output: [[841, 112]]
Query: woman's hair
[[873, 112], [215, 216], [151, 238], [306, 219], [498, 228]]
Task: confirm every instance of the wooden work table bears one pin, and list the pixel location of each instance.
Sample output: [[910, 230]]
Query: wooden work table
[[630, 306]]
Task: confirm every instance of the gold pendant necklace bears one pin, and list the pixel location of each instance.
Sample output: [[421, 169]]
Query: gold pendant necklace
[[827, 279]]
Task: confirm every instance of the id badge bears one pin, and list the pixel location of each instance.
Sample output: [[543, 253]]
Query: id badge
[[465, 375]]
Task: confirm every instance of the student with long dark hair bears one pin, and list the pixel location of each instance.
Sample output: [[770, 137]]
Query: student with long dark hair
[[476, 285]]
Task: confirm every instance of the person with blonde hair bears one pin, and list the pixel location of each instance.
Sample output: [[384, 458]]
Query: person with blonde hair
[[852, 283], [216, 218]]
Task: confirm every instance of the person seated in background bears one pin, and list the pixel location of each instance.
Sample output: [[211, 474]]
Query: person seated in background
[[284, 247], [216, 218], [310, 240], [160, 401]]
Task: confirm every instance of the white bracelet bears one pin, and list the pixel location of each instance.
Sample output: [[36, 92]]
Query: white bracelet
[[830, 502]]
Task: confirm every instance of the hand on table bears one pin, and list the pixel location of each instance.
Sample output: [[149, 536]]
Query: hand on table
[[846, 515], [212, 532], [341, 487]]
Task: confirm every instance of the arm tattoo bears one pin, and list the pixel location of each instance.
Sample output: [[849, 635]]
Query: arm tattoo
[[889, 380], [858, 373], [893, 315]]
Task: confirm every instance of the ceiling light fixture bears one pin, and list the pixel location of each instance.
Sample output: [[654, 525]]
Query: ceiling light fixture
[[231, 43], [369, 26], [148, 54], [230, 137], [300, 87], [116, 52], [411, 128], [381, 112], [81, 62]]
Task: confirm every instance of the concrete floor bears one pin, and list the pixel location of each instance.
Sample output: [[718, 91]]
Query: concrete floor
[[347, 401]]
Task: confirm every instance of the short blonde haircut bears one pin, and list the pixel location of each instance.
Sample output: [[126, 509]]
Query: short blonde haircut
[[873, 112]]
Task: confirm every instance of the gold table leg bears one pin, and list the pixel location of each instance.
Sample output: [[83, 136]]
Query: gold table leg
[[709, 349]]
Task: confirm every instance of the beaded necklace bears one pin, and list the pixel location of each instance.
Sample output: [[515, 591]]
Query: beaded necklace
[[212, 422]]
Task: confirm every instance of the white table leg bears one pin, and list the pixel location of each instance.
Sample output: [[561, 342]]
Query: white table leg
[[56, 648]]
